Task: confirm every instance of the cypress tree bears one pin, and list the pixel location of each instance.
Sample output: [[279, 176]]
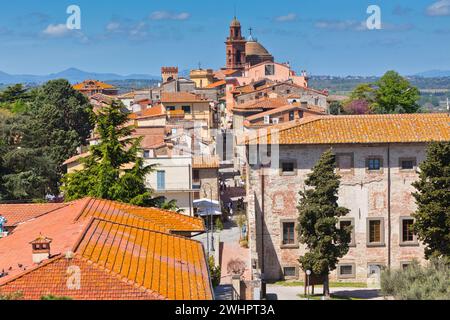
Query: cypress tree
[[432, 217], [113, 170], [319, 215]]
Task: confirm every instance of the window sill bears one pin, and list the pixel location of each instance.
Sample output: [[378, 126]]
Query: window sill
[[289, 246], [375, 245], [288, 174], [409, 244]]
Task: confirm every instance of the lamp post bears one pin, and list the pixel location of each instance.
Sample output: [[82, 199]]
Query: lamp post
[[308, 274], [210, 220]]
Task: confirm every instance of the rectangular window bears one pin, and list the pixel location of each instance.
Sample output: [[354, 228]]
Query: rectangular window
[[170, 108], [147, 154], [300, 114], [195, 174], [291, 115], [374, 164], [346, 223], [161, 180], [346, 271], [407, 236], [290, 271], [288, 233], [407, 164], [344, 161], [375, 232], [287, 167], [405, 264], [270, 70], [186, 109]]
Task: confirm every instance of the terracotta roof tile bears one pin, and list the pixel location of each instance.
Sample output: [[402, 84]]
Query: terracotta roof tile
[[389, 128], [265, 103], [92, 84], [205, 162], [18, 213], [216, 84], [160, 262], [174, 97], [155, 111], [51, 278], [123, 252], [151, 218]]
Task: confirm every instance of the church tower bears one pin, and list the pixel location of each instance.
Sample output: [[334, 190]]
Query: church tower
[[235, 46]]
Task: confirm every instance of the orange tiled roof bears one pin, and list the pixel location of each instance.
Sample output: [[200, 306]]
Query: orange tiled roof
[[173, 266], [151, 218], [205, 162], [90, 84], [389, 128], [124, 252], [155, 111], [18, 213], [295, 106], [50, 278], [174, 97], [264, 103], [216, 84]]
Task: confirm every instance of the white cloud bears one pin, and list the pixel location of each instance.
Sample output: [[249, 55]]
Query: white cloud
[[113, 26], [56, 30], [344, 25], [166, 15], [286, 18], [61, 31], [439, 8]]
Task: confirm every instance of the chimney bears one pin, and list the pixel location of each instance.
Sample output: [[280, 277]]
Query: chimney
[[40, 249]]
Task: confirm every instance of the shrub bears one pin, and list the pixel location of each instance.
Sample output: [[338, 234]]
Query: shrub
[[236, 267], [214, 271], [416, 282], [219, 224], [12, 296]]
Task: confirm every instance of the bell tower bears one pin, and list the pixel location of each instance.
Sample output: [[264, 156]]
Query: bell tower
[[235, 46]]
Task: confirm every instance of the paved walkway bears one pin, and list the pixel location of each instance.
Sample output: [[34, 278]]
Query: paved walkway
[[277, 292]]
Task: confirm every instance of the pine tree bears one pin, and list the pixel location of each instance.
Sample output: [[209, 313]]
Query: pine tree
[[106, 173], [432, 218], [319, 215]]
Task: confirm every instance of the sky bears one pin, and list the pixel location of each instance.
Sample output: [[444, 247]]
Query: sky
[[324, 37]]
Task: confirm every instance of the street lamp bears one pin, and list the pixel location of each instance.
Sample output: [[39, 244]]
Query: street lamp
[[308, 273]]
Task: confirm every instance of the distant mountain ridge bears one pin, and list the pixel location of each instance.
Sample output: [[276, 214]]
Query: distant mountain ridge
[[434, 74], [73, 75]]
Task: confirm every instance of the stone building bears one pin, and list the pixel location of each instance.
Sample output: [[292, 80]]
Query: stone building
[[377, 157]]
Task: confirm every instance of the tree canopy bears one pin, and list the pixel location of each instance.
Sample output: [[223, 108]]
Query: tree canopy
[[36, 141], [319, 215], [432, 218], [113, 169], [392, 93]]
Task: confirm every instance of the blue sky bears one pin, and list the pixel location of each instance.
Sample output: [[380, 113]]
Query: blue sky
[[139, 36]]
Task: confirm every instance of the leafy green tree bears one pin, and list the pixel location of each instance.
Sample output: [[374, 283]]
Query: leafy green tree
[[13, 93], [61, 119], [394, 94], [432, 218], [214, 271], [162, 203], [319, 215], [364, 91], [113, 170], [336, 108]]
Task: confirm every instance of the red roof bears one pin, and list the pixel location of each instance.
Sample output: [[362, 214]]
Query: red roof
[[18, 213], [122, 252]]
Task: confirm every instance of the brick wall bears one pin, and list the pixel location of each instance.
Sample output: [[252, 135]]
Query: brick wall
[[364, 193]]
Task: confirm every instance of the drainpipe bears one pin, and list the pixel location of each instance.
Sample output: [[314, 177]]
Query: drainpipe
[[389, 203], [263, 283]]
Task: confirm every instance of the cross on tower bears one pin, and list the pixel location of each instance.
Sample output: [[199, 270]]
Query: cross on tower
[[250, 30]]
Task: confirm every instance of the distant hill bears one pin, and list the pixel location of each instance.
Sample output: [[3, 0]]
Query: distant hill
[[434, 74], [73, 75]]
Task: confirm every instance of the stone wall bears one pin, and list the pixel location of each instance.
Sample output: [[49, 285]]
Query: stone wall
[[364, 193]]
